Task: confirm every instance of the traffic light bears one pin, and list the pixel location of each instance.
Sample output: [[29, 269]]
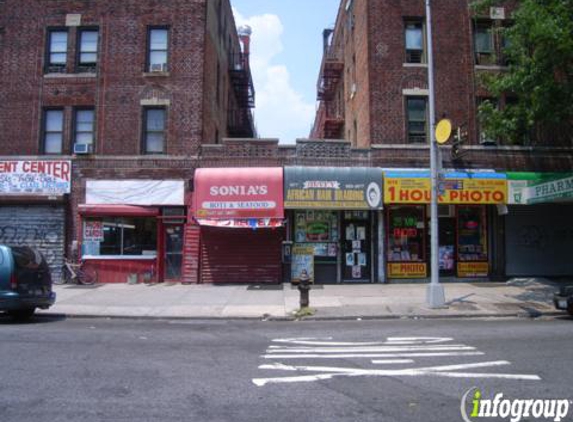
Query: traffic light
[[460, 138]]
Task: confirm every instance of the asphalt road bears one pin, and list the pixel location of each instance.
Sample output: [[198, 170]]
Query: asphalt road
[[123, 370]]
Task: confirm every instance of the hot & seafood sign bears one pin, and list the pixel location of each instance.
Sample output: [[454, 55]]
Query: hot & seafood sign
[[35, 177]]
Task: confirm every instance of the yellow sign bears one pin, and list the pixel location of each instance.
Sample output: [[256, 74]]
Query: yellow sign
[[407, 270], [453, 191], [443, 131], [473, 269]]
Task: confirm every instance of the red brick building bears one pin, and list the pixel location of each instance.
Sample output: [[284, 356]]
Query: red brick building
[[124, 92]]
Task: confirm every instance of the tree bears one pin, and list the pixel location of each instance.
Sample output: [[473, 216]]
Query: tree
[[539, 49]]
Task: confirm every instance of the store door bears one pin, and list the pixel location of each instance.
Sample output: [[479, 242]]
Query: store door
[[447, 239], [173, 252], [356, 246]]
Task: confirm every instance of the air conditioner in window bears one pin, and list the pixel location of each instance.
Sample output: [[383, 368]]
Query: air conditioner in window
[[446, 211], [497, 13], [484, 140], [158, 67], [83, 148]]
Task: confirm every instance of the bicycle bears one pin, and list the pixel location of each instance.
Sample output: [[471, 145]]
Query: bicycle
[[74, 272]]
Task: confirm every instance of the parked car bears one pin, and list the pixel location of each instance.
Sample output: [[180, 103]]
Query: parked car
[[564, 299], [25, 282]]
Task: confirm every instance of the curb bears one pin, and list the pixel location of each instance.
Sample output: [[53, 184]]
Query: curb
[[263, 318]]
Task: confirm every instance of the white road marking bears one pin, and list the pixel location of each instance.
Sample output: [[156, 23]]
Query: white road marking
[[398, 348], [370, 355]]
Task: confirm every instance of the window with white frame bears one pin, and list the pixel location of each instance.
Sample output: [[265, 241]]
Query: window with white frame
[[84, 126], [87, 49], [154, 130], [53, 131], [414, 34], [57, 53], [157, 50]]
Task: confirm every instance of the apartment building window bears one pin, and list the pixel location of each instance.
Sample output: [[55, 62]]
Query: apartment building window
[[87, 50], [57, 53], [414, 34], [53, 131], [417, 115], [84, 126], [157, 49], [154, 130]]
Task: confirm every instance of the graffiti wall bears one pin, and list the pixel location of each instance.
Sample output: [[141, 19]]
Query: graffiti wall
[[37, 226]]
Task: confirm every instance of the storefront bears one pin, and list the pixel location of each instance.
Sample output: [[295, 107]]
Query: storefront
[[241, 215], [33, 197], [465, 208], [132, 230], [539, 227], [333, 220]]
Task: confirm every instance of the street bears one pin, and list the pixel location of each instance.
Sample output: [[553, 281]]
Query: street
[[187, 370]]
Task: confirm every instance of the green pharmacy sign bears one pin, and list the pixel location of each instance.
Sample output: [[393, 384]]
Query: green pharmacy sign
[[538, 188]]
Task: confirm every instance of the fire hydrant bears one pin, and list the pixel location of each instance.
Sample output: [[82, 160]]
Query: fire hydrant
[[304, 288]]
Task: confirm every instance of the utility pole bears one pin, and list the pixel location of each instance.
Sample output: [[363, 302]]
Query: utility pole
[[435, 295]]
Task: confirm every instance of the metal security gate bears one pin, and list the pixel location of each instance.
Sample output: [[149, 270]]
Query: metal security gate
[[38, 226], [539, 240], [241, 255]]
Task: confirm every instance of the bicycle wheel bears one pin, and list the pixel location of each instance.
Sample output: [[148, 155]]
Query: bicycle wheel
[[64, 276], [87, 276]]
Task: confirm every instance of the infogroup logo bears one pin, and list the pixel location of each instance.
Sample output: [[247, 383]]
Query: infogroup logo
[[475, 407]]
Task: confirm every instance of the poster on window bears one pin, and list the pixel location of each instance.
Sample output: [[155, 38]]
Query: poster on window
[[356, 271], [302, 266], [93, 230]]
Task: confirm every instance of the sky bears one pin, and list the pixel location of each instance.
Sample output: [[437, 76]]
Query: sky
[[286, 51]]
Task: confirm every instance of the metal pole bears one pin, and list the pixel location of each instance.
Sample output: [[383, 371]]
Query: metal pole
[[435, 295]]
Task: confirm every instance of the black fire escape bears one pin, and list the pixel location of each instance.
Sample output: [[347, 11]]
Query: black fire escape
[[241, 124], [331, 73]]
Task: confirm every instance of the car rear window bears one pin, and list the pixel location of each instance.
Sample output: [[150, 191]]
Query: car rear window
[[27, 258]]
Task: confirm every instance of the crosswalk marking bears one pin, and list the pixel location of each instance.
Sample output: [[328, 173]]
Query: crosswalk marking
[[393, 351]]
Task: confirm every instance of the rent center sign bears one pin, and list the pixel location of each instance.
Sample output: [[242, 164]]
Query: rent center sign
[[35, 177], [454, 187]]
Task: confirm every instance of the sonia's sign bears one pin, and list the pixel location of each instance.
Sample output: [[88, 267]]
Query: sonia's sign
[[239, 193]]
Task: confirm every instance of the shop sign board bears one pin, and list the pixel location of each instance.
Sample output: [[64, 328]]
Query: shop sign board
[[536, 188], [135, 192], [230, 193], [473, 269], [454, 188], [407, 270], [302, 262], [35, 177], [333, 188]]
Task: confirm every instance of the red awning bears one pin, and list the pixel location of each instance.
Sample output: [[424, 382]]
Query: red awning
[[117, 211], [242, 223], [239, 193]]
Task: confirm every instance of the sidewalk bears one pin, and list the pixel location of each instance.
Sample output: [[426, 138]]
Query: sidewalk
[[525, 297]]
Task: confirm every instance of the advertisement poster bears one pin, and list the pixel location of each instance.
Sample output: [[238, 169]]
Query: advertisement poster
[[35, 177], [302, 263], [446, 257], [473, 269], [93, 230], [455, 188], [333, 188]]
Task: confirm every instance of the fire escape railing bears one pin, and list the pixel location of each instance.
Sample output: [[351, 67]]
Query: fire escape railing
[[240, 121]]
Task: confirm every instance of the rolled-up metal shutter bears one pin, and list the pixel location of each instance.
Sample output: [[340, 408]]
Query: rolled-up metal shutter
[[539, 240], [241, 255], [37, 226]]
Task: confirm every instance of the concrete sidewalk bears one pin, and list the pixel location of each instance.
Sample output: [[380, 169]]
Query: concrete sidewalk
[[524, 297]]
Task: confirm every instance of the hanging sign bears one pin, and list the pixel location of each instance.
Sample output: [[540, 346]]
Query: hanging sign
[[35, 177], [333, 188], [536, 188], [454, 188], [302, 263], [407, 270], [93, 230]]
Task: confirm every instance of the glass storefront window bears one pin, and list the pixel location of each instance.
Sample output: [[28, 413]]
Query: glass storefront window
[[472, 234], [406, 234], [319, 229], [109, 236]]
